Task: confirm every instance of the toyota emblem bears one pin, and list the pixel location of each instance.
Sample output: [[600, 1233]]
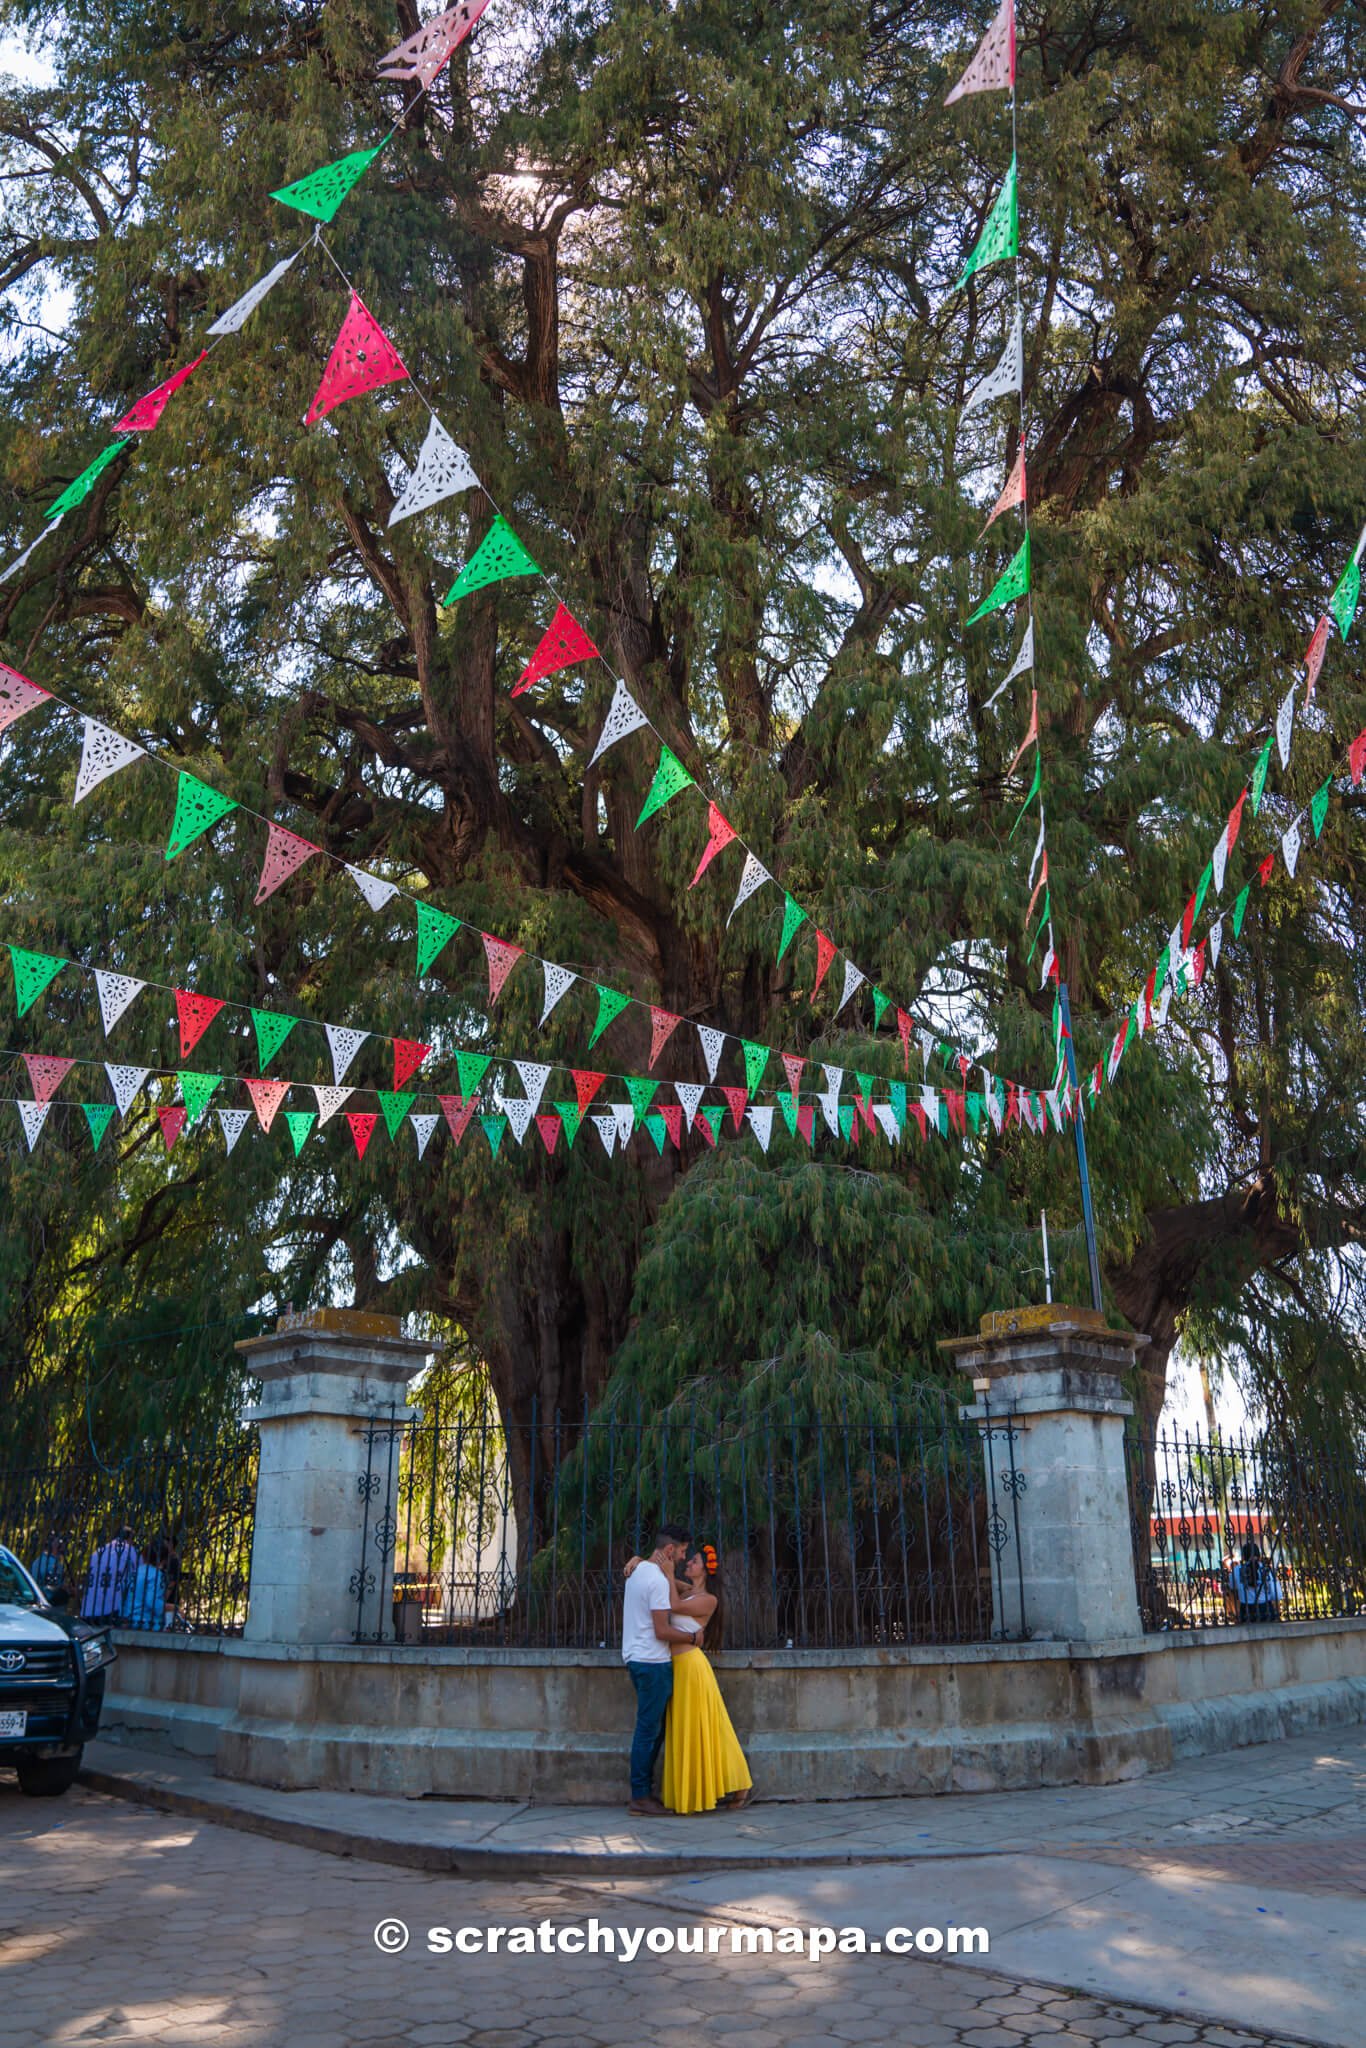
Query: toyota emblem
[[12, 1660]]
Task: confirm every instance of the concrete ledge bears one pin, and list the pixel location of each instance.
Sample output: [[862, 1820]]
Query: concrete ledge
[[552, 1726]]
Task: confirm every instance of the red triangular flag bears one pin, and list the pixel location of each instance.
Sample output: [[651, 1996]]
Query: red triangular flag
[[362, 358], [196, 1013], [673, 1123], [565, 642], [1267, 869], [1013, 493], [663, 1023], [148, 410], [1187, 920], [865, 1110], [1313, 655], [708, 1134], [285, 852], [806, 1123], [955, 1102], [1012, 1103], [549, 1128], [903, 1025], [792, 1067], [586, 1086], [1356, 756], [1042, 883], [409, 1053], [738, 1098], [918, 1112], [46, 1073], [1198, 961], [266, 1097], [1235, 819], [1031, 738], [502, 958], [720, 832], [1150, 990], [826, 950], [362, 1122], [458, 1113], [172, 1121]]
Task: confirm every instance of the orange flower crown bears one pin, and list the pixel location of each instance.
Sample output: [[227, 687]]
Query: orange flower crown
[[709, 1556]]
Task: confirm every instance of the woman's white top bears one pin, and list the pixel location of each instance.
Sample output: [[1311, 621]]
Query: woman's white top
[[688, 1623]]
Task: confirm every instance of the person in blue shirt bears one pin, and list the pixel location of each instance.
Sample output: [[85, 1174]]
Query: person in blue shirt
[[144, 1602]]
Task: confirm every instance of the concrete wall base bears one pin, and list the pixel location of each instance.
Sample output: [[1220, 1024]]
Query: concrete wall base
[[553, 1726]]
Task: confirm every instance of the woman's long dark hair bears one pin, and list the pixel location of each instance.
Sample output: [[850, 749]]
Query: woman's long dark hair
[[711, 1563]]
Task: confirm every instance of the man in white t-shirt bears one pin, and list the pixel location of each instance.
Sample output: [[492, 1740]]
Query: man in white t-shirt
[[647, 1636]]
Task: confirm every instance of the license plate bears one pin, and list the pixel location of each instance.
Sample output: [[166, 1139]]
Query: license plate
[[13, 1724]]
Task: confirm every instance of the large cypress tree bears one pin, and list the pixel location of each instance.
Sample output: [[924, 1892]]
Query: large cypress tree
[[677, 278]]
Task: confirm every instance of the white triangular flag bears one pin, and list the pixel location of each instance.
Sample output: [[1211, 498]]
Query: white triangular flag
[[1285, 720], [34, 1116], [1048, 961], [753, 876], [689, 1094], [626, 1123], [343, 1044], [330, 1100], [929, 1102], [234, 1122], [534, 1077], [993, 63], [1218, 860], [13, 568], [103, 752], [886, 1116], [1024, 660], [424, 1122], [442, 469], [557, 980], [624, 716], [125, 1082], [761, 1123], [829, 1100], [519, 1115], [1163, 1004], [376, 891], [1007, 375], [1290, 847], [606, 1125], [116, 992], [927, 1042], [1037, 854], [834, 1077], [994, 1109], [241, 311], [712, 1043], [1054, 1109], [854, 978], [1216, 940], [1175, 949]]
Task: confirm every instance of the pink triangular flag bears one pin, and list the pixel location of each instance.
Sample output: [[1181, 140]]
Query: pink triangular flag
[[720, 832], [285, 853], [17, 695], [146, 413], [792, 1067], [738, 1099], [1313, 655], [425, 54], [1031, 737], [362, 358], [266, 1097], [1014, 492], [46, 1074], [993, 65], [663, 1024], [457, 1113], [563, 643], [673, 1123], [172, 1121], [502, 958]]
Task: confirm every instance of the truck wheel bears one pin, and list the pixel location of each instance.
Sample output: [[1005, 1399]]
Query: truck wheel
[[47, 1777]]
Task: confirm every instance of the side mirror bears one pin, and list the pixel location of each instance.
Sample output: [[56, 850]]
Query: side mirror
[[59, 1598]]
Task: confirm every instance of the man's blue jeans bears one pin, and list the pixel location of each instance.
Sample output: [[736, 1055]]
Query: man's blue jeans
[[653, 1683]]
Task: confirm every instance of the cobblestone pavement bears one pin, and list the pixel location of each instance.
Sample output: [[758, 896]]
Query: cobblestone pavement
[[120, 1925]]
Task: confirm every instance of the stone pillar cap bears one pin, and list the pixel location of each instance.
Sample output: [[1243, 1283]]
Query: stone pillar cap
[[343, 1341]]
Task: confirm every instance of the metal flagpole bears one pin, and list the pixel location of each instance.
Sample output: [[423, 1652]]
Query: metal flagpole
[[1079, 1126]]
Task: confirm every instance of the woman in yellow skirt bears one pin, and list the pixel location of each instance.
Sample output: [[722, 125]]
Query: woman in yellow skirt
[[704, 1765]]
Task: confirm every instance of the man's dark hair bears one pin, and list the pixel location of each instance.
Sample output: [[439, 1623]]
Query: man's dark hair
[[671, 1532]]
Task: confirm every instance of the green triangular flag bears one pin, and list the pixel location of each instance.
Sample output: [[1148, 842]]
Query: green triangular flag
[[846, 1120], [571, 1116], [1259, 773], [865, 1085], [713, 1116], [1345, 599], [84, 484], [1000, 236], [794, 917], [642, 1093], [435, 929], [756, 1059], [670, 777], [472, 1067], [99, 1116], [32, 973], [1012, 582], [1240, 910], [654, 1124], [1318, 809], [499, 555], [493, 1128], [975, 1105], [942, 1117], [271, 1032], [300, 1122], [395, 1107], [197, 1091], [611, 1003], [197, 809], [1034, 791], [897, 1092], [1160, 975], [787, 1103], [322, 191], [1202, 888], [881, 1005]]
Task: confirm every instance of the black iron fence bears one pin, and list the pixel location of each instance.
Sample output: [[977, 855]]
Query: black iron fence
[[1237, 1528], [876, 1532], [158, 1539]]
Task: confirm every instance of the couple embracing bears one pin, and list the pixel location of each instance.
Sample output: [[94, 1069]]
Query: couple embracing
[[672, 1606]]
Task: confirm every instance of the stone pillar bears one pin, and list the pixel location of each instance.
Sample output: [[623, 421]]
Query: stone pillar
[[1054, 1375], [331, 1407]]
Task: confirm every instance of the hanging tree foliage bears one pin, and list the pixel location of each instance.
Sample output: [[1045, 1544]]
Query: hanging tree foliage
[[678, 280]]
